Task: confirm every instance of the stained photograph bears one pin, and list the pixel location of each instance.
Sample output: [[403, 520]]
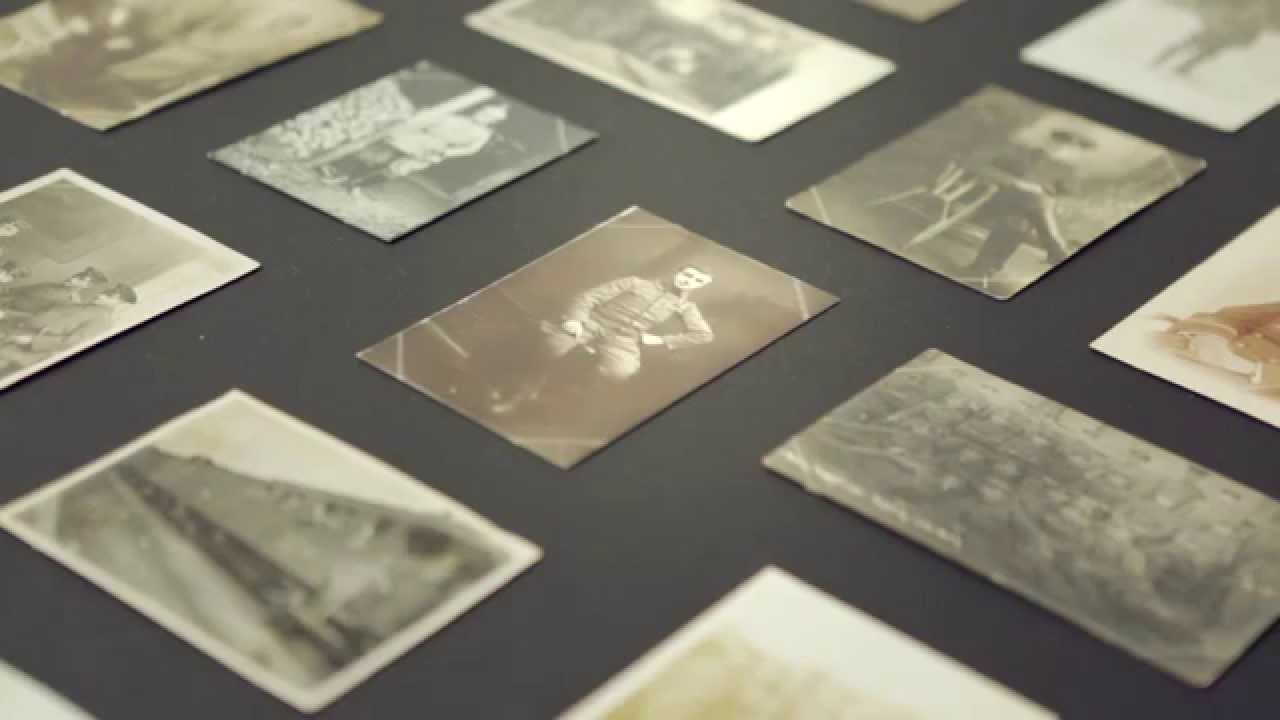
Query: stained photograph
[[1143, 549], [997, 191], [728, 65], [25, 699], [917, 10], [570, 352], [778, 648], [1215, 62], [298, 561], [404, 150], [80, 264], [106, 62], [1217, 330]]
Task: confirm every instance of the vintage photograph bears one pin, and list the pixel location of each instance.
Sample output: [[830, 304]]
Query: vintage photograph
[[1143, 549], [80, 264], [298, 561], [997, 191], [404, 150], [1216, 331], [106, 62], [915, 10], [22, 698], [720, 62], [567, 354], [1215, 62], [778, 648]]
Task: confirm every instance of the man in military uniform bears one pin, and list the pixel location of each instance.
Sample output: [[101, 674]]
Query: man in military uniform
[[614, 321]]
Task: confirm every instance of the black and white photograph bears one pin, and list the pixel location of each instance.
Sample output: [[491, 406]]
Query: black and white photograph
[[567, 354], [22, 698], [777, 647], [296, 560], [80, 264], [915, 10], [1215, 62], [997, 191], [728, 65], [404, 150], [1143, 549], [107, 62]]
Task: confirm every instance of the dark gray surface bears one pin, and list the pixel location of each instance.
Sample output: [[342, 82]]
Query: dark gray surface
[[651, 531]]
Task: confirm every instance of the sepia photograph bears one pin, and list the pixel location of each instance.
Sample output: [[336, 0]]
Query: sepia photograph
[[80, 264], [997, 191], [720, 62], [1216, 331], [22, 698], [1145, 550], [1214, 62], [404, 150], [297, 561], [106, 62], [778, 648], [915, 10], [567, 354]]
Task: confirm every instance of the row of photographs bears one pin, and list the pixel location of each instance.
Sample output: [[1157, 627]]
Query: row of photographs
[[305, 565], [745, 72]]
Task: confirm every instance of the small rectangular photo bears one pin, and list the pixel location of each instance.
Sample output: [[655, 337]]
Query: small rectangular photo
[[570, 352], [997, 191], [22, 698], [1216, 331], [106, 62], [915, 10], [720, 62], [294, 559], [80, 264], [1215, 62], [1156, 555], [779, 648], [404, 150]]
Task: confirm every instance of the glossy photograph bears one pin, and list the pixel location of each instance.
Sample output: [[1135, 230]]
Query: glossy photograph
[[404, 150], [567, 354], [297, 561], [1148, 551], [720, 62], [80, 264], [998, 191]]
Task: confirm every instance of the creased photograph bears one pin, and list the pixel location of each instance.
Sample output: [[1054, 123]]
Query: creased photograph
[[1150, 552]]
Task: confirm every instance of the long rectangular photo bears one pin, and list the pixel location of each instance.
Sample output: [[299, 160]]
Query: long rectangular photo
[[1216, 62], [1152, 553], [1217, 330], [779, 648], [106, 63], [567, 354], [997, 191], [294, 559], [80, 264], [404, 150], [720, 62]]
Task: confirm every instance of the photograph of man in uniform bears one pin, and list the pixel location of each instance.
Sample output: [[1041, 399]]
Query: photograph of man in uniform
[[569, 353]]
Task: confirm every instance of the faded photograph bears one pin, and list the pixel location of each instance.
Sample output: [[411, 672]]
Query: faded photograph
[[22, 698], [917, 10], [723, 63], [297, 561], [80, 264], [777, 648], [997, 191], [1141, 548], [106, 62], [570, 352], [1216, 62], [1217, 330], [404, 150]]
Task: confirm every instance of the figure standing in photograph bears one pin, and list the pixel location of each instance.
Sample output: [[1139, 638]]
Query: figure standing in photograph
[[1223, 26]]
